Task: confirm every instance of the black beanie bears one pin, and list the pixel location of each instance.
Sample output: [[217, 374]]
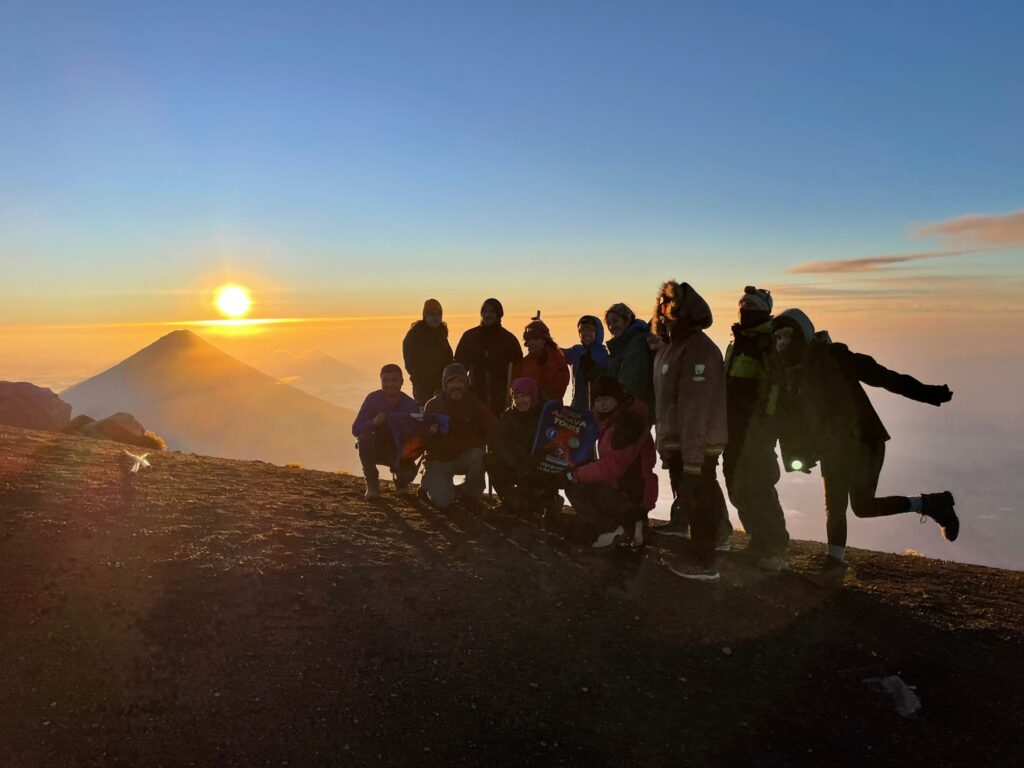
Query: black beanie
[[500, 310], [607, 386]]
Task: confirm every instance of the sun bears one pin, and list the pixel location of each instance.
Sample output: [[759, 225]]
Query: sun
[[232, 301]]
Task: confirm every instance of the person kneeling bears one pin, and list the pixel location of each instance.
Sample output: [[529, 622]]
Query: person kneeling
[[378, 442], [615, 492], [461, 450]]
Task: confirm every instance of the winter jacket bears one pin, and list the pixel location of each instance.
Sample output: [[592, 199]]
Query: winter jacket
[[377, 402], [746, 375], [548, 369], [626, 455], [821, 403], [470, 426], [426, 351], [631, 363], [588, 362], [513, 437], [487, 351], [689, 387]]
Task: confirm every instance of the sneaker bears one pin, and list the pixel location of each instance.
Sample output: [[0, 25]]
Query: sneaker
[[372, 489], [773, 563], [725, 546], [677, 529], [402, 489], [939, 507], [690, 569], [607, 539]]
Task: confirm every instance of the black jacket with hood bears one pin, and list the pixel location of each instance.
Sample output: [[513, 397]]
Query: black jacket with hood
[[426, 352], [820, 401], [487, 351]]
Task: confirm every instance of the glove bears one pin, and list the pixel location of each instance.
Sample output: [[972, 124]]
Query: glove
[[939, 395]]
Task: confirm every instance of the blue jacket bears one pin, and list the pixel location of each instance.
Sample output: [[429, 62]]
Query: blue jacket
[[585, 371], [377, 402]]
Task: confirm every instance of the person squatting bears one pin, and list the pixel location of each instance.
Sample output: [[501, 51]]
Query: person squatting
[[475, 412]]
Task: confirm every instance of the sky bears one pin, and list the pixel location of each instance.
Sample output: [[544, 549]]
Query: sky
[[345, 161]]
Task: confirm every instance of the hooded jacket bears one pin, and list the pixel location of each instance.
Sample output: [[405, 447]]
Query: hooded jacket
[[632, 363], [426, 351], [377, 402], [820, 401], [689, 385], [626, 455], [588, 362], [487, 351], [548, 369]]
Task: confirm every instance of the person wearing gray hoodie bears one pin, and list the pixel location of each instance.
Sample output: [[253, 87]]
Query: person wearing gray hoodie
[[825, 415]]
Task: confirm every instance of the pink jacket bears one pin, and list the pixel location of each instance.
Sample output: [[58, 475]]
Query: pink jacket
[[629, 466], [689, 388]]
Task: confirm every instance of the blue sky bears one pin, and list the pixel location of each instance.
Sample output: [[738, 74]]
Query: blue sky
[[736, 138]]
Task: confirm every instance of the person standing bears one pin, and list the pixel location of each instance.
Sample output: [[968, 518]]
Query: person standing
[[426, 351], [378, 442], [689, 389], [589, 359], [488, 353], [749, 463], [826, 415], [631, 358], [460, 451], [544, 362]]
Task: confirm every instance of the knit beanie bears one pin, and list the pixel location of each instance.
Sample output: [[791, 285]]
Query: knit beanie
[[760, 298], [527, 386], [432, 306], [453, 371], [537, 329], [496, 305], [622, 311], [607, 386]]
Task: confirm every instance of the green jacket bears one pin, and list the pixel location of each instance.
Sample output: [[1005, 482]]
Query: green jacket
[[632, 363]]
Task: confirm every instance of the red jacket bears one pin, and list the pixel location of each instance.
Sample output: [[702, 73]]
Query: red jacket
[[626, 455], [549, 370]]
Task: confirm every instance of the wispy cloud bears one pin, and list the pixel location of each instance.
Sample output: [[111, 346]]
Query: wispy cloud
[[1005, 231], [962, 236], [871, 263]]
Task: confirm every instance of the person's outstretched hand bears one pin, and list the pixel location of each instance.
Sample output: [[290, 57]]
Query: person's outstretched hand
[[941, 394]]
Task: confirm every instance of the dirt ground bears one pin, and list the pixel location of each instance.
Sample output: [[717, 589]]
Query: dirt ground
[[211, 612]]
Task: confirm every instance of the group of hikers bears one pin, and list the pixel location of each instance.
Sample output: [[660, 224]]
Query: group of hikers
[[476, 410]]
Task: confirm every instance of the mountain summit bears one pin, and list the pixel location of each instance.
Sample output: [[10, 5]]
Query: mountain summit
[[202, 400]]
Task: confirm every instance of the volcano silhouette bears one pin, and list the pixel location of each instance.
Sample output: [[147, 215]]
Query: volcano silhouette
[[202, 400]]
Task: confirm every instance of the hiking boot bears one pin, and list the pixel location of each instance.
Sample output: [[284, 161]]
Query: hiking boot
[[372, 489], [773, 563], [688, 568], [939, 507], [832, 572], [607, 539], [675, 528], [403, 489]]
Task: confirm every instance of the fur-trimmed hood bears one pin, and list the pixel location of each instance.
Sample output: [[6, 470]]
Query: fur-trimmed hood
[[682, 302]]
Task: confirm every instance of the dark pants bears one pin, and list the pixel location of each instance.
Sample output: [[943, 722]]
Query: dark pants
[[521, 491], [850, 477], [679, 513], [751, 470], [705, 511], [377, 448], [600, 508], [422, 393]]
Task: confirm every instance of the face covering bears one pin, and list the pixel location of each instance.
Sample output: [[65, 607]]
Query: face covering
[[751, 318]]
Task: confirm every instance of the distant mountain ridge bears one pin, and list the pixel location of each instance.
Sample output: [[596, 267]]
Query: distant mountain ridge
[[202, 400]]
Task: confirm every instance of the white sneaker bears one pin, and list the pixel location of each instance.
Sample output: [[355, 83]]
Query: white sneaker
[[607, 539]]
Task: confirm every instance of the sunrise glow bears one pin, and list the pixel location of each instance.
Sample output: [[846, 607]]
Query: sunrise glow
[[232, 301]]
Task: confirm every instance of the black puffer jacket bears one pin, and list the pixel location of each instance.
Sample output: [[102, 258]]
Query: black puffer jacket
[[487, 351], [426, 351], [821, 403]]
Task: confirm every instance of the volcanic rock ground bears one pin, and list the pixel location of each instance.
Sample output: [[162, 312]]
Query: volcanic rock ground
[[212, 612]]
